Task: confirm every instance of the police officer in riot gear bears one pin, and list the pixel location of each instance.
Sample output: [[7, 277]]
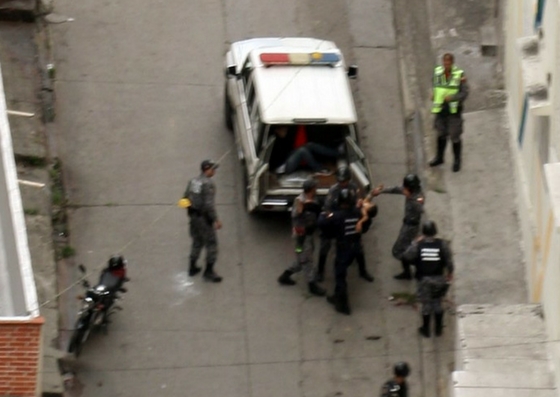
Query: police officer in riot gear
[[413, 209], [305, 212], [397, 386], [434, 269], [343, 177], [346, 225], [204, 221]]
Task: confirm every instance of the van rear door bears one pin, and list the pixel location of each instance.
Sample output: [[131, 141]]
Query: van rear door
[[358, 165], [258, 182]]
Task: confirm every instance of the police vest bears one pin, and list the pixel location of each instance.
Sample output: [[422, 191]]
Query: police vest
[[348, 222], [430, 260], [443, 87]]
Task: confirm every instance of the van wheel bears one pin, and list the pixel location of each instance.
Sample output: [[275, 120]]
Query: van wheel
[[227, 111]]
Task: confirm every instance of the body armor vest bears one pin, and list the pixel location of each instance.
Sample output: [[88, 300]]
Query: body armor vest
[[430, 261]]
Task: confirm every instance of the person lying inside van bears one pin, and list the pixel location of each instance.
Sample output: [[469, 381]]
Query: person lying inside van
[[301, 153]]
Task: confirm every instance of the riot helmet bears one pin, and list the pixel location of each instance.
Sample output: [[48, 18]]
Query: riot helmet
[[343, 174], [346, 198], [412, 182], [429, 228], [401, 369]]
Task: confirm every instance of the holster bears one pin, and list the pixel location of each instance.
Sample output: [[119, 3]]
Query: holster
[[438, 289]]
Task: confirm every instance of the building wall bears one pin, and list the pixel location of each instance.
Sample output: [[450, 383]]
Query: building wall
[[20, 357], [535, 141], [20, 323]]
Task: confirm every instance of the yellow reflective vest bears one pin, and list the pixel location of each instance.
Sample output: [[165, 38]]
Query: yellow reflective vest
[[443, 87]]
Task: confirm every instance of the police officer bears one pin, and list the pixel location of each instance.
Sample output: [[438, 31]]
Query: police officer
[[305, 212], [432, 258], [413, 209], [346, 225], [204, 221], [343, 177], [397, 386], [450, 90]]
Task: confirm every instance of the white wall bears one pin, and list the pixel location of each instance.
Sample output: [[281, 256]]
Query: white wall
[[17, 285], [538, 183]]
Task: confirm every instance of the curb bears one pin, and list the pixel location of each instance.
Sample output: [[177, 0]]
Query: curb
[[54, 386]]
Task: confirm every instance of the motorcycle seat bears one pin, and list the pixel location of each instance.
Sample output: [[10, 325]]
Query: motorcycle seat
[[110, 281]]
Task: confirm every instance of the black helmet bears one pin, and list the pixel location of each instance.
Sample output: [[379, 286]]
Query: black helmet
[[429, 228], [309, 184], [401, 369], [116, 261], [343, 174], [346, 197], [412, 182]]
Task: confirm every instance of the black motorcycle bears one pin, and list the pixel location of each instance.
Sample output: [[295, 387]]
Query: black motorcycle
[[98, 304]]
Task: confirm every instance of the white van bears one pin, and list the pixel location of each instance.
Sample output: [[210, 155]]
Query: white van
[[283, 94]]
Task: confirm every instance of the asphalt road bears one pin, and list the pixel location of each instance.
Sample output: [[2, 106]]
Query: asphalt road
[[139, 105]]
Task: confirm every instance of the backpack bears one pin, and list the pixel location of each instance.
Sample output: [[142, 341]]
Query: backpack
[[194, 193]]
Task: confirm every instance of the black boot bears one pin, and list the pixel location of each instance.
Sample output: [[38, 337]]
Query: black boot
[[194, 269], [321, 268], [457, 148], [316, 289], [406, 274], [362, 268], [209, 274], [441, 144], [285, 279], [366, 276], [340, 302], [424, 330], [342, 305], [439, 324]]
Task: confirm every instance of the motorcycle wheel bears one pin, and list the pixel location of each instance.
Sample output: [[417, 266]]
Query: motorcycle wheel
[[75, 345]]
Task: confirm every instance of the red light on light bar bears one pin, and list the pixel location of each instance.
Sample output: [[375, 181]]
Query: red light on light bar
[[275, 59]]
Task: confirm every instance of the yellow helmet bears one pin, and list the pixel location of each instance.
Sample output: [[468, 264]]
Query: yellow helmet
[[184, 203]]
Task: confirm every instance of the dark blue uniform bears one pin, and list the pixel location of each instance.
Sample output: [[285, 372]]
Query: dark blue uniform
[[341, 225], [331, 204]]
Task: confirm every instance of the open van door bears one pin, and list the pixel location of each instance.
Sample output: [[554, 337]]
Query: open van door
[[359, 166], [257, 184]]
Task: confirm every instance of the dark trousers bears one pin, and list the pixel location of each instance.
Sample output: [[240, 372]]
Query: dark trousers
[[346, 253], [307, 154], [326, 246]]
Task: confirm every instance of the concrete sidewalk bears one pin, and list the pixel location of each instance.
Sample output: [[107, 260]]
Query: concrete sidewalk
[[480, 200], [477, 209], [22, 82]]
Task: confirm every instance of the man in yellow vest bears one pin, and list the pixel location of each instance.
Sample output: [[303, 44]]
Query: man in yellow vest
[[450, 90]]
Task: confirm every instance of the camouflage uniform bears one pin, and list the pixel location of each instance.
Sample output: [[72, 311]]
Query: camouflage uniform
[[430, 272], [201, 191], [304, 243], [413, 209]]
